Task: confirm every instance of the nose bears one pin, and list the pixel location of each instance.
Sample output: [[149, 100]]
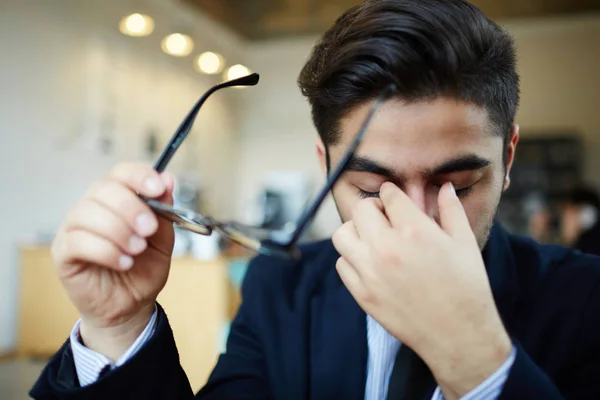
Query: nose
[[425, 198]]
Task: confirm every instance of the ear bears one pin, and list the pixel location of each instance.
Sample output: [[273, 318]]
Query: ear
[[510, 153], [322, 155]]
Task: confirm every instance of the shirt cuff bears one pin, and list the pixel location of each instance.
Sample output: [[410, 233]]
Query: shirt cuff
[[90, 364], [491, 388]]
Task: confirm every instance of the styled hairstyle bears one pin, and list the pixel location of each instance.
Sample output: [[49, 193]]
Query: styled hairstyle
[[428, 48], [583, 195]]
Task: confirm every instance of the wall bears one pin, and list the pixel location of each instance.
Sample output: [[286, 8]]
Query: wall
[[559, 60], [66, 70], [559, 64], [277, 133]]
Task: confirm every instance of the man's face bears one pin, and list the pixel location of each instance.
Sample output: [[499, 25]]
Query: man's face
[[570, 223], [419, 147]]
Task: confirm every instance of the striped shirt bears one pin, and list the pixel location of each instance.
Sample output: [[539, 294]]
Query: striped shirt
[[383, 349], [90, 365], [382, 353]]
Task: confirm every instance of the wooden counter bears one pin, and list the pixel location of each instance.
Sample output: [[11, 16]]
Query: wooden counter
[[198, 298]]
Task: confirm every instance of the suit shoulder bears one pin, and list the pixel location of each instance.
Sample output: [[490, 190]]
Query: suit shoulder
[[555, 272], [558, 258], [547, 258]]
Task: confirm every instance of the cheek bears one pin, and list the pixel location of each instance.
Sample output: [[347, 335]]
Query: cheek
[[481, 208], [478, 211]]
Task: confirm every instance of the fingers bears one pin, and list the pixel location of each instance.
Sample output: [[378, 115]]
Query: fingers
[[162, 240], [123, 202], [370, 219], [349, 245], [453, 218], [139, 178], [80, 246], [399, 208], [112, 224], [348, 275], [94, 218]]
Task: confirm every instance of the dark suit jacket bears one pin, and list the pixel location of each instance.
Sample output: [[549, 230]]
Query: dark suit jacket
[[300, 335], [589, 241]]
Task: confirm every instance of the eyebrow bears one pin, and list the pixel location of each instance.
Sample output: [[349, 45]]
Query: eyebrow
[[465, 162]]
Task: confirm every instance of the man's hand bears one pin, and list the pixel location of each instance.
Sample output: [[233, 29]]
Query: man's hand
[[113, 254], [426, 284]]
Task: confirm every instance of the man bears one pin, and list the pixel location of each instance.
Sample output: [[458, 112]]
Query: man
[[580, 222], [420, 295]]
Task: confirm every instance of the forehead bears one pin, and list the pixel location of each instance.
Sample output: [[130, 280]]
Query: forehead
[[423, 133]]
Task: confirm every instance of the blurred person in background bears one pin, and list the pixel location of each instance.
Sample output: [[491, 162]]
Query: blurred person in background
[[420, 294], [579, 220], [540, 225], [540, 218]]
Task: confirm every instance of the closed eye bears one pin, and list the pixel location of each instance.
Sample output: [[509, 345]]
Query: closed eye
[[460, 192], [365, 195]]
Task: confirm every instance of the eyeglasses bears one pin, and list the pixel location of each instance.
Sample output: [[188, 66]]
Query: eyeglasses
[[277, 242]]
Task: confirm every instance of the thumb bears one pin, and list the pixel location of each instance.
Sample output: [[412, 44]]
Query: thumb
[[453, 219]]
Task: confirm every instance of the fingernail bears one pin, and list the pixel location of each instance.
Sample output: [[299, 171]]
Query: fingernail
[[137, 244], [452, 189], [154, 186], [125, 262], [146, 224]]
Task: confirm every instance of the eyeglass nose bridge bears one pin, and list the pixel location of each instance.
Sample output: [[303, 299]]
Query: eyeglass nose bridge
[[195, 227], [184, 219]]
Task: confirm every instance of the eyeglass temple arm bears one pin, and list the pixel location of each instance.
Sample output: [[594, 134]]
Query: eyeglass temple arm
[[186, 125], [333, 177]]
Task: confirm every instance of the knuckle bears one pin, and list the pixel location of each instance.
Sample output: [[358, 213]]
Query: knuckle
[[116, 230], [119, 199], [70, 245], [335, 237], [101, 187], [412, 232], [77, 212], [366, 297], [340, 233], [93, 188], [57, 248], [385, 252], [408, 232]]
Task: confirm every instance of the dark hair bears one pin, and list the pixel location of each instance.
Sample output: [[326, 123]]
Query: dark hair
[[428, 48], [583, 195]]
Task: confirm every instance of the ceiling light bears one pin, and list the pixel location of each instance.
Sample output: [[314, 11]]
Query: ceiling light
[[137, 25], [177, 45], [236, 71], [209, 63]]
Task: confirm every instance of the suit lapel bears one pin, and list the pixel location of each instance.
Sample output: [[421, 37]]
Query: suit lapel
[[338, 340], [337, 325], [501, 267]]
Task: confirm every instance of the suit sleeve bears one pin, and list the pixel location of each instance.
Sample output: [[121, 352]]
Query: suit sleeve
[[89, 364], [578, 381], [154, 371]]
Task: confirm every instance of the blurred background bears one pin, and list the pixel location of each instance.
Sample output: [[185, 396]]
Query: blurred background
[[87, 83]]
